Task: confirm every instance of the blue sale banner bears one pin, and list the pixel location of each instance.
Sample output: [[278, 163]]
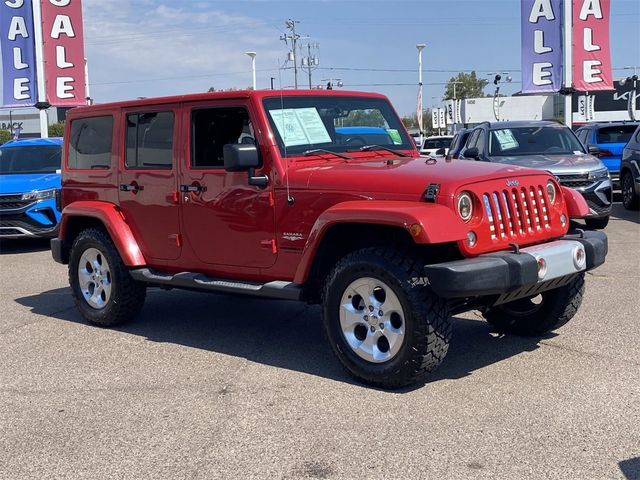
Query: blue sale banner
[[18, 54], [541, 46]]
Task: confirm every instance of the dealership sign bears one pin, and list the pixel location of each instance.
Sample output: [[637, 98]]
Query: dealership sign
[[542, 46], [62, 47]]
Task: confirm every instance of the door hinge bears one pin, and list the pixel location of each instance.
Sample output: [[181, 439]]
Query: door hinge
[[270, 244]]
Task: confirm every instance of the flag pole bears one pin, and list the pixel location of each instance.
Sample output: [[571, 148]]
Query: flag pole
[[42, 105], [567, 50]]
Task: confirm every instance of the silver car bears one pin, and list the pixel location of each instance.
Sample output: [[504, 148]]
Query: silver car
[[549, 146]]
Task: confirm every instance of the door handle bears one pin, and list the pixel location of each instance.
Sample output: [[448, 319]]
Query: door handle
[[132, 187], [193, 188]]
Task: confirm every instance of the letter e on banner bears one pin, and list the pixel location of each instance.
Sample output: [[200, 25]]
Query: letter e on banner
[[63, 38]]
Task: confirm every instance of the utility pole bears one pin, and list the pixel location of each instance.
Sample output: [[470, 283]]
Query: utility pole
[[293, 36], [310, 62], [567, 50]]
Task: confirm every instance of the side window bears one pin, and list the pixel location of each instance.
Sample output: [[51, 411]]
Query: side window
[[212, 129], [471, 142], [149, 140], [90, 143], [480, 141], [582, 135]]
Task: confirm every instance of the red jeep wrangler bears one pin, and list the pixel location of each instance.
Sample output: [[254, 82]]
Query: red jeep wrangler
[[317, 196]]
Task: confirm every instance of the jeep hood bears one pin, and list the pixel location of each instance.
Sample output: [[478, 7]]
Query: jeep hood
[[400, 176], [555, 164], [26, 182]]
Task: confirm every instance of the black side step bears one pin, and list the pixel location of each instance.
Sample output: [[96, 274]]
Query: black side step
[[197, 281]]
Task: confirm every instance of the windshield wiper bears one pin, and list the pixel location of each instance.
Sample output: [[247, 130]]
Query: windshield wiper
[[315, 151], [368, 148]]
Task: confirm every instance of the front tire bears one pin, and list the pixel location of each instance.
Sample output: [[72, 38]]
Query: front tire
[[540, 314], [630, 199], [597, 223], [383, 323], [104, 292]]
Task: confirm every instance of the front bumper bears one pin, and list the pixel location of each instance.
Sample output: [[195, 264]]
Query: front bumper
[[510, 275], [599, 197], [27, 219]]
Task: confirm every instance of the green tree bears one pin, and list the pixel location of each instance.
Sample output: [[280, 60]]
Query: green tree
[[411, 121], [467, 85], [56, 130], [5, 136]]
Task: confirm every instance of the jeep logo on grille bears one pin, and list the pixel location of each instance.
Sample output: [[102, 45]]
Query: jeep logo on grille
[[513, 183]]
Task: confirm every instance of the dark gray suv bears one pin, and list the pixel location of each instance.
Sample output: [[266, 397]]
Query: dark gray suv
[[550, 146], [630, 172]]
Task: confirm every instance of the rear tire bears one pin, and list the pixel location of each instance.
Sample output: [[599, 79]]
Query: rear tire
[[597, 223], [104, 292], [528, 318], [387, 328], [630, 199]]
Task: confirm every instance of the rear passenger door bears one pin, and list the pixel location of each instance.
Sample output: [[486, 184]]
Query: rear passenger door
[[148, 190]]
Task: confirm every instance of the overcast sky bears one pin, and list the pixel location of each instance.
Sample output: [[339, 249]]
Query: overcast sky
[[157, 47]]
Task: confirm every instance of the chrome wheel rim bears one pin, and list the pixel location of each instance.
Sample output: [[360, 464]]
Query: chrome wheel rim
[[94, 277], [372, 320]]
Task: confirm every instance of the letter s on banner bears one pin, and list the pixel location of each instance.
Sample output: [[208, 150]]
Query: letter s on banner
[[63, 39], [591, 52]]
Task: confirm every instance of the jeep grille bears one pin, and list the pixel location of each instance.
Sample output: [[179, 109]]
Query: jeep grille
[[516, 212]]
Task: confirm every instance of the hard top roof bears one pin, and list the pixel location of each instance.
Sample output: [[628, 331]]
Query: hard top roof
[[230, 95]]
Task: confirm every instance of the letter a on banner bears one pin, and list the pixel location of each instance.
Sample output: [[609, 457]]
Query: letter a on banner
[[18, 54], [63, 40], [591, 52]]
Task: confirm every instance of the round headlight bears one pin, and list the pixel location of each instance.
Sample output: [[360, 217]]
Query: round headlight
[[465, 206], [551, 191]]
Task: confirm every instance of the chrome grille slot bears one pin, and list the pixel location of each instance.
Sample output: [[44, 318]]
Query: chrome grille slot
[[496, 206], [489, 212], [516, 212]]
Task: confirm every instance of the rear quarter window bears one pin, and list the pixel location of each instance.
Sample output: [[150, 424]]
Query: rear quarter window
[[90, 143], [618, 134]]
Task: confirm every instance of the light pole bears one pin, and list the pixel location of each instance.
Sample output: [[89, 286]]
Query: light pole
[[253, 66], [496, 96], [420, 47], [631, 103]]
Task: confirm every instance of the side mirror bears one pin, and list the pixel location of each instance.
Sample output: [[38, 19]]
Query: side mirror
[[594, 150], [241, 156], [440, 152], [472, 152]]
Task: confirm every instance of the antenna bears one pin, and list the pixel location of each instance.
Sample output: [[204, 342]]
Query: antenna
[[290, 199]]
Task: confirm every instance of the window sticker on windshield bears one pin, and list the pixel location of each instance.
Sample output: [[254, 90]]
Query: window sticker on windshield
[[300, 126], [395, 136], [506, 139]]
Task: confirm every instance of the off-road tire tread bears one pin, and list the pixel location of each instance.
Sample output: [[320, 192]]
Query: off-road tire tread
[[563, 306], [431, 318], [128, 295]]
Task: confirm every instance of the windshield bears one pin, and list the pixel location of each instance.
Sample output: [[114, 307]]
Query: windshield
[[337, 124], [437, 143], [40, 159], [548, 140]]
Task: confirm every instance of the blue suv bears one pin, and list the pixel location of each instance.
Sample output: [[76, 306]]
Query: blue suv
[[608, 139], [29, 184]]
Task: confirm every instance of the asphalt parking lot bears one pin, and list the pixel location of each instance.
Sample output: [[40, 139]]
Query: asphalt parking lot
[[207, 386]]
